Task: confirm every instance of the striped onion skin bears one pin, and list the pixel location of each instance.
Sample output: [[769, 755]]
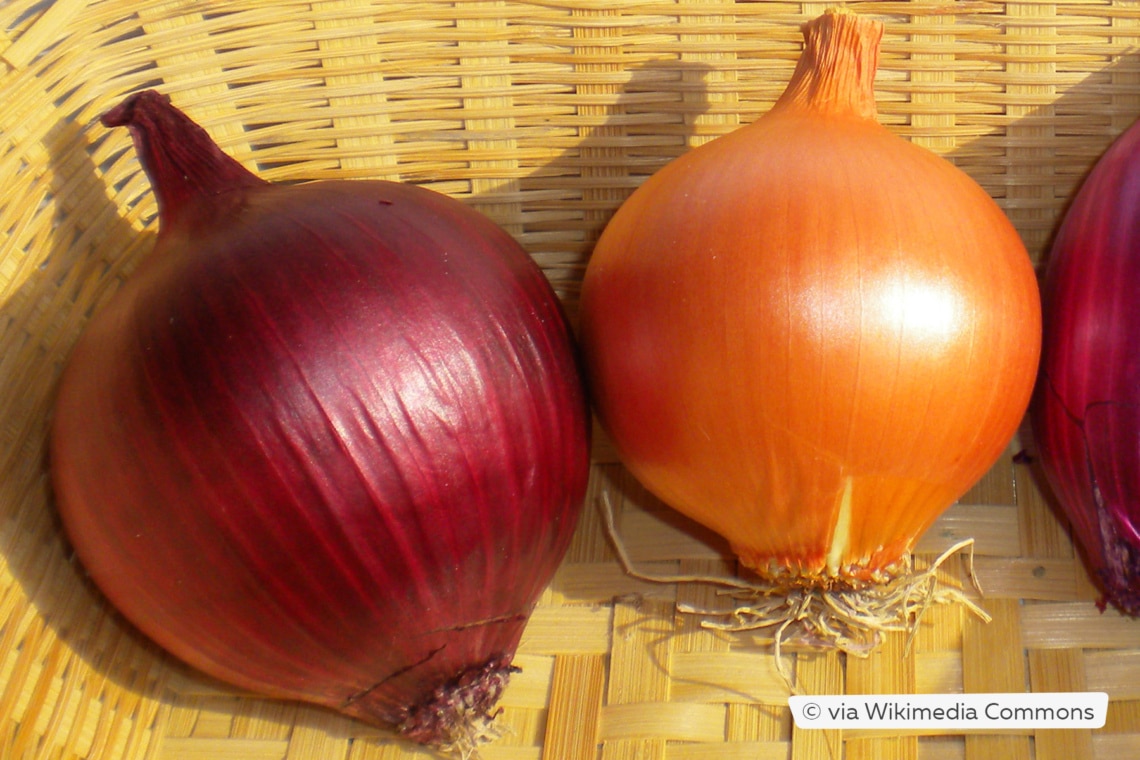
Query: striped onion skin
[[1086, 411], [329, 442], [809, 334]]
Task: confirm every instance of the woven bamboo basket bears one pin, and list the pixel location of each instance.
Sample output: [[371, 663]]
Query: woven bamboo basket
[[544, 115]]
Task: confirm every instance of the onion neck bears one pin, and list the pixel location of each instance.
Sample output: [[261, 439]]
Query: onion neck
[[185, 166], [836, 71]]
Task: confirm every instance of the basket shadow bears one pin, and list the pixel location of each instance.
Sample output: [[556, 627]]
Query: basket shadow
[[92, 248], [653, 119]]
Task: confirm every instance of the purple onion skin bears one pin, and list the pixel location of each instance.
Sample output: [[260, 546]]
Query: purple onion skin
[[329, 442], [1086, 412]]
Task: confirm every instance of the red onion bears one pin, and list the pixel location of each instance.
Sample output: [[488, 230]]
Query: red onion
[[1086, 413], [329, 442]]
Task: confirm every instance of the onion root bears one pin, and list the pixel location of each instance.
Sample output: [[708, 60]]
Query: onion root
[[850, 618], [460, 715]]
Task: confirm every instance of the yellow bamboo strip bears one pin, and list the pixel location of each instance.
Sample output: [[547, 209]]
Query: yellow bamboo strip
[[522, 728], [222, 749], [530, 688], [676, 721], [996, 487], [940, 627], [263, 719], [567, 630], [818, 674], [942, 748], [1121, 730], [1059, 670], [45, 31], [640, 653], [599, 71], [888, 670], [1030, 193], [631, 724], [367, 144], [69, 709], [982, 672], [1114, 671], [180, 722], [601, 582], [933, 121], [661, 534], [214, 720], [709, 72], [492, 92], [766, 724], [1123, 717], [938, 672], [494, 752], [575, 706], [191, 68], [1109, 746], [322, 734], [691, 635], [724, 676], [1123, 78], [590, 544], [994, 529], [1042, 534], [634, 749], [1030, 577], [1076, 624], [762, 750]]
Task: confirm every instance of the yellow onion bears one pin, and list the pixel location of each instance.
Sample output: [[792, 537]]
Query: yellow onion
[[811, 335]]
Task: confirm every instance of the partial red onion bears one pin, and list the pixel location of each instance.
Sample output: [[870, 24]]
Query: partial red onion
[[1086, 414], [329, 442]]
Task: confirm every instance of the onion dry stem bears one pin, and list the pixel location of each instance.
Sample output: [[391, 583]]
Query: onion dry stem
[[849, 618]]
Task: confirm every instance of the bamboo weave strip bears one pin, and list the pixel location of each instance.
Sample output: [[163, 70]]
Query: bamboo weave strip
[[544, 115]]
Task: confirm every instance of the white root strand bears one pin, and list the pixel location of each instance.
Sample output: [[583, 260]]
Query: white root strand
[[850, 620]]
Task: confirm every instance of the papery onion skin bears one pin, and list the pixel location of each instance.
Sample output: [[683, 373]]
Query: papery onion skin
[[1086, 411], [809, 334], [329, 442]]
